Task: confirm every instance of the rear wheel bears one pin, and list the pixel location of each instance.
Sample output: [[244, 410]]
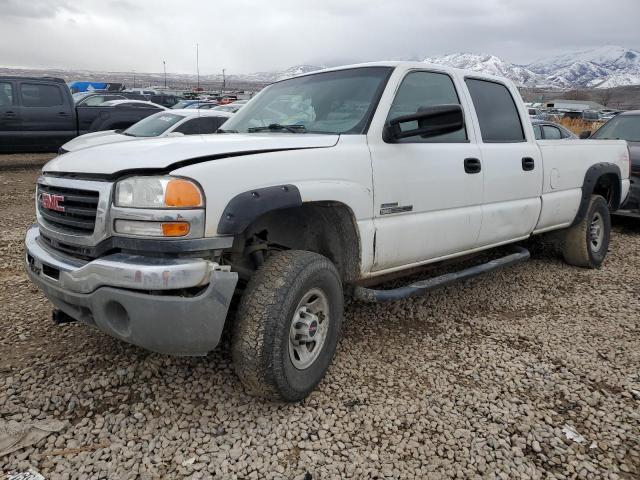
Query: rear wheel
[[586, 244], [288, 325]]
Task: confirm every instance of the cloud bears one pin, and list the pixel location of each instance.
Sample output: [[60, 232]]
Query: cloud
[[33, 8], [256, 35]]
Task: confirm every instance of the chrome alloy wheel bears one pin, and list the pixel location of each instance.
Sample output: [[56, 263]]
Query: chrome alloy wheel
[[596, 232], [309, 328]]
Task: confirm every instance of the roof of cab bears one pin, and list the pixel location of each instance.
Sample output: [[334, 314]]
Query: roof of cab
[[405, 65]]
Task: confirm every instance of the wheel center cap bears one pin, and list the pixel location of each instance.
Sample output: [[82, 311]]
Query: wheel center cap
[[313, 328]]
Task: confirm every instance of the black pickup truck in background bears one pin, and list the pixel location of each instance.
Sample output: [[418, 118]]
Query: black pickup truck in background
[[39, 114]]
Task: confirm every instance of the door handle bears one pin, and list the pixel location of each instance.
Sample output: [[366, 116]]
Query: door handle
[[10, 114], [472, 165], [63, 114], [528, 164]]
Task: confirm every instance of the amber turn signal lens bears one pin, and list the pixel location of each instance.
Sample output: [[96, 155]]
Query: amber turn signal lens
[[182, 193], [175, 229]]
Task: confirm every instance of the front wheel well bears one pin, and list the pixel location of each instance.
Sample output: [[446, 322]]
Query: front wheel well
[[328, 228]]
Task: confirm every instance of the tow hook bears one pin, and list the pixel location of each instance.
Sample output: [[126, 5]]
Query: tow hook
[[60, 318]]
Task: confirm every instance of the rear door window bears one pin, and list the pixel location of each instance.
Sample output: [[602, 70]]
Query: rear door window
[[40, 95], [6, 94], [497, 112]]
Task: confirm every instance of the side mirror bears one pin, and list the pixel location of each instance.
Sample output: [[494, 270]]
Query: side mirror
[[175, 134], [585, 134], [432, 121]]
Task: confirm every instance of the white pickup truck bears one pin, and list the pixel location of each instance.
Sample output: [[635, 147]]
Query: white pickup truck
[[320, 184]]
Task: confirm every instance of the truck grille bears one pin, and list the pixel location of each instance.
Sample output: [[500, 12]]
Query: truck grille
[[68, 209]]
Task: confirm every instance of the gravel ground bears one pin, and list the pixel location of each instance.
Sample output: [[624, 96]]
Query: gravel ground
[[474, 381]]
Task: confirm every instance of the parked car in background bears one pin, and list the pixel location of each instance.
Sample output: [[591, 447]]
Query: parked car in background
[[165, 100], [545, 130], [184, 104], [203, 105], [591, 116], [91, 99], [132, 103], [40, 114], [169, 123], [230, 107], [625, 126]]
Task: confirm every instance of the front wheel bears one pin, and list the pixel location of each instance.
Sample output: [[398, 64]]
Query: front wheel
[[586, 244], [288, 325]]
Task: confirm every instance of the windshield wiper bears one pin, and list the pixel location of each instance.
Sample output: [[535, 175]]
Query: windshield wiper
[[276, 127], [222, 130]]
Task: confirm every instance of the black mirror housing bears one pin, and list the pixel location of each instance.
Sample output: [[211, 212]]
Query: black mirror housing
[[585, 134], [432, 121]]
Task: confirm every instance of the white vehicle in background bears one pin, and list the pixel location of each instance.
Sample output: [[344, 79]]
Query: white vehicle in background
[[320, 186], [229, 107], [131, 103], [171, 123]]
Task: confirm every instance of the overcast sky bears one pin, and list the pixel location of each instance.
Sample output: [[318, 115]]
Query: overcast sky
[[246, 36]]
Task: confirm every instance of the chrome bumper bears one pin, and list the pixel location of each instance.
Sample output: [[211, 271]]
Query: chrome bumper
[[113, 294], [119, 270]]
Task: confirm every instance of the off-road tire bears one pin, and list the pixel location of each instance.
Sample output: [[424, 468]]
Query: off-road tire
[[577, 248], [260, 342]]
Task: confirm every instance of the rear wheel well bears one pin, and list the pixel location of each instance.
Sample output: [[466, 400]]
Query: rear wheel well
[[608, 187], [328, 228]]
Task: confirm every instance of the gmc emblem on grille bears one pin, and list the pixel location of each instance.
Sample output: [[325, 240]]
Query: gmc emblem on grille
[[51, 202]]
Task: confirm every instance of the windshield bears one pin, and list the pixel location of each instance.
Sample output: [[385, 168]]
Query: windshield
[[333, 102], [626, 127], [154, 125]]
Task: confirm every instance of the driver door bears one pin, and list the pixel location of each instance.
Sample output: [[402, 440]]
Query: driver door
[[427, 191]]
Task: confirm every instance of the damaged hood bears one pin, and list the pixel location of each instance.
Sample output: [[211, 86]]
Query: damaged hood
[[162, 153]]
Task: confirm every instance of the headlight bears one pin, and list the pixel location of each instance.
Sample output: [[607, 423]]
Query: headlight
[[158, 192]]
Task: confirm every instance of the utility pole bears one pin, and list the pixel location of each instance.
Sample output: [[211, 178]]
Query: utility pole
[[224, 80], [134, 79], [198, 66], [164, 65]]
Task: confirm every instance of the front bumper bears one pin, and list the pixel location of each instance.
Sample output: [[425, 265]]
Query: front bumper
[[134, 298]]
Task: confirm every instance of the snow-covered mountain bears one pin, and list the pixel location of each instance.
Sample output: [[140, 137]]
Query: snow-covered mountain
[[603, 67], [269, 77], [492, 65]]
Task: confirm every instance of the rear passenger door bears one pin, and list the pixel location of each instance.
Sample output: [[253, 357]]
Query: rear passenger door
[[47, 115], [511, 162], [10, 121]]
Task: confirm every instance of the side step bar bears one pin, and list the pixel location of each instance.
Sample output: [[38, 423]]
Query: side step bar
[[519, 255]]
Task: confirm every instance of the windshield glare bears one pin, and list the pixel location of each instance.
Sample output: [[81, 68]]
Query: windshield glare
[[339, 102], [153, 125], [622, 127]]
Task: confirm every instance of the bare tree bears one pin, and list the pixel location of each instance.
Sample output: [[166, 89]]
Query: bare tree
[[605, 96]]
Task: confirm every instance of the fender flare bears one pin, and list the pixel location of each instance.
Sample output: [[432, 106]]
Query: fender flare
[[588, 186], [246, 207]]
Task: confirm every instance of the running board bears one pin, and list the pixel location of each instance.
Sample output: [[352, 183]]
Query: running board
[[519, 255]]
